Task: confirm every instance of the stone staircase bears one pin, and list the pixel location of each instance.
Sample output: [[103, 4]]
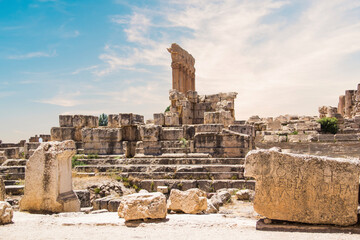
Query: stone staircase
[[12, 171], [181, 171]]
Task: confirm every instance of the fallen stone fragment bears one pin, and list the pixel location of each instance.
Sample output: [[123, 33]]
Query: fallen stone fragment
[[220, 198], [2, 190], [84, 197], [142, 206], [6, 213], [245, 195], [210, 208], [303, 188], [191, 201], [48, 180]]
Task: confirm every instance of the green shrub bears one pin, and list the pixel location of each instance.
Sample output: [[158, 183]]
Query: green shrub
[[329, 125], [294, 133], [75, 162], [97, 190], [167, 109], [103, 120]]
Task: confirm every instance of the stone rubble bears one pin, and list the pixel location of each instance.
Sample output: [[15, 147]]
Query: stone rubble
[[191, 201], [141, 206]]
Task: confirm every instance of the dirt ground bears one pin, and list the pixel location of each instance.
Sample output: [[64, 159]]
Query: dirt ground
[[235, 221]]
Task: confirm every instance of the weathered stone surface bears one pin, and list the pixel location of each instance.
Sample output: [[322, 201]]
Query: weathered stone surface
[[129, 119], [159, 119], [150, 132], [113, 120], [142, 206], [2, 189], [6, 213], [245, 194], [191, 201], [48, 180], [303, 188], [84, 197], [220, 198]]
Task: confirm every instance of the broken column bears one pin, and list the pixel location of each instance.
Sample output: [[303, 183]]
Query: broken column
[[349, 103], [341, 105], [303, 188], [183, 71], [48, 179]]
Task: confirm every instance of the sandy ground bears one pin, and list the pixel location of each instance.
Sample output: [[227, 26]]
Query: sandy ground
[[175, 226]]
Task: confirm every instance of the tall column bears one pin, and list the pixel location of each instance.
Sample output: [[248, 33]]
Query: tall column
[[181, 79], [188, 81], [348, 103], [341, 105], [192, 77], [175, 75]]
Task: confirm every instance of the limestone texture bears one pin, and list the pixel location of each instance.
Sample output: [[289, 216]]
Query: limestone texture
[[6, 213], [48, 180], [2, 190], [304, 188], [142, 206], [191, 201]]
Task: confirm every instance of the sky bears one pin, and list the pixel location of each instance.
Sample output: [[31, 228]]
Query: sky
[[92, 57]]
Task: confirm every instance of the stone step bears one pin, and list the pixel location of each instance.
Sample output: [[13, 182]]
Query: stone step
[[164, 161], [174, 150], [160, 168], [15, 162], [13, 176], [11, 182], [178, 175], [206, 185], [14, 189], [12, 169]]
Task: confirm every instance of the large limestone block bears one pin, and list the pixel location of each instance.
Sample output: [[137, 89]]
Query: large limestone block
[[129, 119], [101, 134], [191, 201], [48, 180], [62, 133], [66, 120], [142, 206], [6, 213], [113, 120], [159, 119], [303, 188], [150, 132], [170, 133], [2, 189]]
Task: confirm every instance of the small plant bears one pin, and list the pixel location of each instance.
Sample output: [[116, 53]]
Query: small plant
[[179, 186], [92, 156], [97, 190], [103, 120], [294, 133], [234, 177], [185, 144], [152, 186], [329, 125], [167, 109], [75, 162]]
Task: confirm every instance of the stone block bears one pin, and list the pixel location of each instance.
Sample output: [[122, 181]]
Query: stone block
[[170, 133], [113, 121], [113, 205], [346, 137], [130, 119], [326, 137], [162, 189], [6, 213], [304, 188], [84, 197], [101, 134], [171, 119], [212, 118], [151, 148], [271, 138], [299, 138], [48, 179], [66, 120], [159, 119], [130, 133], [189, 132], [150, 132], [62, 133], [244, 129], [143, 206], [191, 201], [217, 128]]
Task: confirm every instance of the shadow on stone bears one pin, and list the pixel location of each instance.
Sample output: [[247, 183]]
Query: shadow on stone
[[136, 223]]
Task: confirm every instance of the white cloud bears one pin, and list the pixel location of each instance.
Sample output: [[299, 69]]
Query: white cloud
[[32, 55], [279, 61], [77, 71], [63, 99]]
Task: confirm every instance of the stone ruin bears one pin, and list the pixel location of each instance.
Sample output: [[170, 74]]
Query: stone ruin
[[183, 70], [49, 181], [303, 188]]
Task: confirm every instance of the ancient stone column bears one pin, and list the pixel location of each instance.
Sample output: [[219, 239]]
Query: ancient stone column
[[349, 103], [341, 105], [175, 75], [183, 71]]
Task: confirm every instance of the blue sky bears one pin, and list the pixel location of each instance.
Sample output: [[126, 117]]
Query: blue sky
[[89, 57]]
